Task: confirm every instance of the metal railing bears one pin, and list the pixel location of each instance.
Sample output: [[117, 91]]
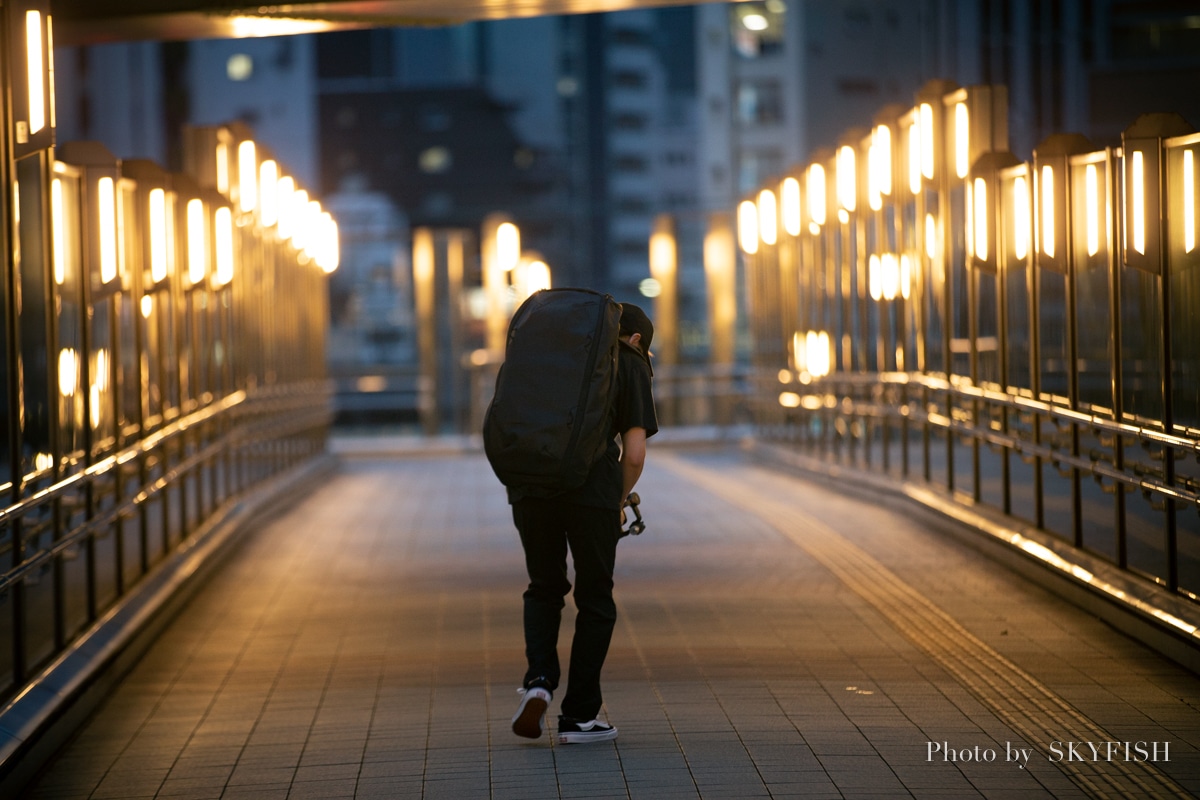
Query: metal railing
[[1020, 334], [162, 355]]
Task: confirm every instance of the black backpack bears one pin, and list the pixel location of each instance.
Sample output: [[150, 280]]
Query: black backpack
[[550, 418]]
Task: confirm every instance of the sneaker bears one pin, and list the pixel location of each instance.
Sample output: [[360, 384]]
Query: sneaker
[[527, 721], [572, 732]]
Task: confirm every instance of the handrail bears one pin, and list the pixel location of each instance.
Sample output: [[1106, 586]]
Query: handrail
[[141, 447]]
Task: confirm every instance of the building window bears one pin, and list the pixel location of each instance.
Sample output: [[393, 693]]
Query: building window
[[632, 205], [757, 28], [629, 122], [629, 163], [857, 87], [755, 166], [760, 102], [628, 36], [635, 248], [629, 79]]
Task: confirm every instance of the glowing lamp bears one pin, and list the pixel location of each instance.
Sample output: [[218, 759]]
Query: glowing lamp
[[748, 227], [1143, 156], [1051, 163], [789, 201], [768, 217], [984, 210]]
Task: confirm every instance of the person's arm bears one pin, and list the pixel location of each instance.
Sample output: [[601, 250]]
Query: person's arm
[[633, 458]]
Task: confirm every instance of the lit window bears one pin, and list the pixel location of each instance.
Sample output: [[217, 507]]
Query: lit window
[[239, 67], [757, 28], [435, 159]]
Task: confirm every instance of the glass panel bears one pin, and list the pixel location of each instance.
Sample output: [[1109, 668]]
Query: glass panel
[[1183, 270], [912, 329], [1016, 286], [101, 372], [1014, 268], [1145, 534], [960, 315], [934, 287], [1053, 357], [129, 392], [6, 632], [1185, 346], [1187, 524], [34, 319], [70, 352], [1093, 311], [1141, 346], [153, 353], [1098, 502], [987, 341]]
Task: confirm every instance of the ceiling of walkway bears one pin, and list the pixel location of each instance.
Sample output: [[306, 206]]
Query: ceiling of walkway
[[97, 21]]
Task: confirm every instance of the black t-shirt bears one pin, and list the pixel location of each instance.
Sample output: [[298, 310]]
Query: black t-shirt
[[634, 408]]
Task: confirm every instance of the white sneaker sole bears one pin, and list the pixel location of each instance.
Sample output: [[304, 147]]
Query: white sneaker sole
[[527, 721]]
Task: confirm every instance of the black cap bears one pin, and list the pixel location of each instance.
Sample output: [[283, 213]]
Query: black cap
[[634, 320]]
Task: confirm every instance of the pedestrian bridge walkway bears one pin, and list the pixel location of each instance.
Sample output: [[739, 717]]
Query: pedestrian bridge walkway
[[777, 638]]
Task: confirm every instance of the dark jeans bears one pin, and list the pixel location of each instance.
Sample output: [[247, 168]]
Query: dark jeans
[[547, 528]]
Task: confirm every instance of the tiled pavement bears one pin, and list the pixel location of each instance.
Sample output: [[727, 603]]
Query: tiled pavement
[[774, 640]]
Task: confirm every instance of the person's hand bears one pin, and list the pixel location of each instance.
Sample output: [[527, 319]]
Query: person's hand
[[622, 516]]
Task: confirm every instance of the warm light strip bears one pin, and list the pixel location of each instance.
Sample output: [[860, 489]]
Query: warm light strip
[[223, 220], [931, 243], [1189, 202], [158, 234], [197, 248], [286, 215], [247, 176], [789, 196], [508, 246], [58, 220], [748, 226], [847, 190], [222, 168], [768, 217], [816, 194], [36, 75], [874, 277], [299, 218], [327, 251], [890, 279], [50, 67], [312, 221], [268, 181], [537, 277], [981, 219], [874, 198], [926, 127], [1021, 218], [883, 159], [962, 150], [1092, 198], [107, 208], [1138, 180], [1048, 215], [914, 158]]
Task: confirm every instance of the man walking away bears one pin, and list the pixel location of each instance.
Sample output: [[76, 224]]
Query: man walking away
[[587, 521]]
